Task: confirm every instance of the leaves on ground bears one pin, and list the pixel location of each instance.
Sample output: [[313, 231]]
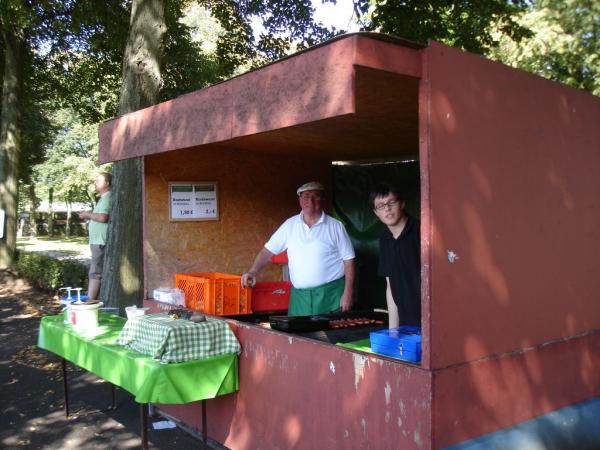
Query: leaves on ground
[[31, 356]]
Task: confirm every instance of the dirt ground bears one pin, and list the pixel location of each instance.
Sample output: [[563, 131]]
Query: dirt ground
[[32, 408]]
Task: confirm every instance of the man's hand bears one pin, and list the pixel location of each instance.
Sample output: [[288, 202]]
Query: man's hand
[[261, 260], [248, 279], [346, 301], [96, 217]]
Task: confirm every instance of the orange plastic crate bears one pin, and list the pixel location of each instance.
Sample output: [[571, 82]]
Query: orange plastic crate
[[215, 293]]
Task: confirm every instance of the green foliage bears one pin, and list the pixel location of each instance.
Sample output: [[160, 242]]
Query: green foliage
[[84, 54], [69, 166], [50, 273], [84, 51], [565, 45], [287, 26], [188, 65], [31, 21], [37, 134], [467, 24]]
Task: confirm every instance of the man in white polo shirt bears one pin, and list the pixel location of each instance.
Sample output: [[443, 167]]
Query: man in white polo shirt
[[320, 255]]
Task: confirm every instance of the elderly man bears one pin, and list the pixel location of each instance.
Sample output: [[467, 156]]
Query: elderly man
[[320, 254], [98, 231]]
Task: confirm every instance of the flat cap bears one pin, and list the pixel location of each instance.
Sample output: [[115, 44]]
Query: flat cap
[[310, 186]]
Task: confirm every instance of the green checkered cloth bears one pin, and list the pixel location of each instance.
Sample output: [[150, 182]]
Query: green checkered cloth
[[172, 341]]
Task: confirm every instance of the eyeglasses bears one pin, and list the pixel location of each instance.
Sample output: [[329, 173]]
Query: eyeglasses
[[382, 206]]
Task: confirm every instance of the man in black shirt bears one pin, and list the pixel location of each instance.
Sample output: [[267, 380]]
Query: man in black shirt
[[399, 256]]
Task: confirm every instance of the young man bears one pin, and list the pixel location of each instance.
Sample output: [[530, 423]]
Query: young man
[[98, 231], [399, 256], [320, 254]]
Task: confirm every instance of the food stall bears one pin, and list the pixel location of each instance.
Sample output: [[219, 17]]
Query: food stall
[[507, 161]]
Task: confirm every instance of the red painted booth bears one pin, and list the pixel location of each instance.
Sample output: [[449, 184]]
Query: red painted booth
[[509, 226]]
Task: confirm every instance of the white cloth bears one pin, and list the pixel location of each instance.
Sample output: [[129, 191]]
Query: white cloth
[[316, 255]]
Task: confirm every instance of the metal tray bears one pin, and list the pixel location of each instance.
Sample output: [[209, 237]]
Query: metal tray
[[298, 323], [320, 322]]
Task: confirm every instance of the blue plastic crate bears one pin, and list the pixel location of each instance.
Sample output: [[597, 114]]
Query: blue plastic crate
[[403, 343]]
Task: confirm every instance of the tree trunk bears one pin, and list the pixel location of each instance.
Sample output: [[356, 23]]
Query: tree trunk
[[21, 227], [32, 211], [51, 212], [10, 145], [122, 283], [68, 222]]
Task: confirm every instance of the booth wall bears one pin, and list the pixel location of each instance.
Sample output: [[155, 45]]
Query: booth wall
[[513, 172], [491, 394], [295, 90], [257, 192], [512, 195], [301, 393]]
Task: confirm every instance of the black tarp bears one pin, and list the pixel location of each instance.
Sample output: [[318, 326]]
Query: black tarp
[[352, 185]]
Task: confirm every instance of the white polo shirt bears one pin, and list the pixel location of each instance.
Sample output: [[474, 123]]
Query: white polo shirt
[[316, 255]]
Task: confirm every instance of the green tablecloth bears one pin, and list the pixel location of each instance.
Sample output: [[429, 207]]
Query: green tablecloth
[[145, 378], [168, 341], [364, 345]]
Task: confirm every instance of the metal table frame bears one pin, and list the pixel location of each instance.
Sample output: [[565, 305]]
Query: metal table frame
[[143, 409]]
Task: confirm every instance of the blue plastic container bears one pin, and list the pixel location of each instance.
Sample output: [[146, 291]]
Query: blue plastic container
[[64, 302], [403, 343]]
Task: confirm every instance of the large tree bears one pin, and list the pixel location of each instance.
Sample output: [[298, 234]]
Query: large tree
[[24, 26], [142, 81], [564, 46], [9, 145], [13, 34], [467, 24]]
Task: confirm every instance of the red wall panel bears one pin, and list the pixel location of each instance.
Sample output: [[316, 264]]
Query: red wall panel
[[513, 192], [484, 396], [301, 393]]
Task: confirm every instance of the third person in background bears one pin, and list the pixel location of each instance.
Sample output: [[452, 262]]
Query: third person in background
[[98, 231]]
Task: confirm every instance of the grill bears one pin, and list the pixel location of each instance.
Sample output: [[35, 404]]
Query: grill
[[339, 321]]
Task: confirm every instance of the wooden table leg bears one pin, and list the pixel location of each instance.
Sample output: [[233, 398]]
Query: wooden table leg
[[65, 386], [204, 430], [144, 424]]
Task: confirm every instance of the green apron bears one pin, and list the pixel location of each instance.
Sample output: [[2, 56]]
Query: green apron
[[318, 300]]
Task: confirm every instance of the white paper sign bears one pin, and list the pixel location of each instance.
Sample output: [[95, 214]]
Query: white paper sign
[[194, 201]]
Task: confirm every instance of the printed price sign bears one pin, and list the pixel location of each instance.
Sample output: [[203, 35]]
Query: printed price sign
[[193, 201]]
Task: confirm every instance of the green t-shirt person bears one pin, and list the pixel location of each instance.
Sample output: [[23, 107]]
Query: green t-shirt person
[[99, 230]]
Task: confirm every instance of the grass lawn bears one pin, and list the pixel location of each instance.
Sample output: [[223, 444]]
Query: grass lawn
[[58, 246]]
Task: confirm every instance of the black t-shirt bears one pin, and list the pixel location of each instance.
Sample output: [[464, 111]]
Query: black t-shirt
[[400, 260]]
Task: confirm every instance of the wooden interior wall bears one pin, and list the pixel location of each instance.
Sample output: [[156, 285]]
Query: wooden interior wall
[[257, 192]]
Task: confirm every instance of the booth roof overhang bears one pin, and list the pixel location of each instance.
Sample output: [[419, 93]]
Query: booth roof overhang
[[354, 97]]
